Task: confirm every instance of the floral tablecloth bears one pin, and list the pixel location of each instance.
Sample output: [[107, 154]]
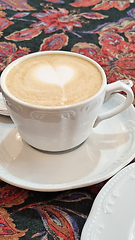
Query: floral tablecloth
[[100, 29]]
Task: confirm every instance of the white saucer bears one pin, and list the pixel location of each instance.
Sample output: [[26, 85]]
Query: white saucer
[[112, 216], [109, 148], [3, 109]]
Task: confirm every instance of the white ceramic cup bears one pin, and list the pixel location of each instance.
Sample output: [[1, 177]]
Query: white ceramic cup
[[65, 127]]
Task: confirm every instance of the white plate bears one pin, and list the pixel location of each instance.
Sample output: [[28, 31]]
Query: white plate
[[112, 216], [109, 148]]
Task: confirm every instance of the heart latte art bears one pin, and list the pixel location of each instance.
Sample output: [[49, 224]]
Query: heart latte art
[[59, 75], [54, 80]]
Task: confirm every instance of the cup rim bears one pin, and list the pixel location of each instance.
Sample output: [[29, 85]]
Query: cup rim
[[15, 62]]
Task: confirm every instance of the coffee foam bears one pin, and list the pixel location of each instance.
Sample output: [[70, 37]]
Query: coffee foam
[[59, 75], [54, 80]]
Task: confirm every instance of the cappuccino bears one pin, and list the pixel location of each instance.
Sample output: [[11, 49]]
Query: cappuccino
[[54, 80]]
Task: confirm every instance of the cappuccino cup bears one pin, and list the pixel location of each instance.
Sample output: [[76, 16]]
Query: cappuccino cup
[[55, 98]]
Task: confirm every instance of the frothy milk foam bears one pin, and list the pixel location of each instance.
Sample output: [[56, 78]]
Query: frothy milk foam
[[61, 75], [54, 80]]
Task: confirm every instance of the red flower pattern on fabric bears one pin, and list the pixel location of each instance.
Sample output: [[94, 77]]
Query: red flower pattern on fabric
[[9, 52], [57, 221], [122, 26], [10, 196], [8, 229], [55, 1], [4, 23], [55, 42], [16, 5], [84, 3], [106, 5], [101, 5], [25, 34], [116, 56], [53, 20]]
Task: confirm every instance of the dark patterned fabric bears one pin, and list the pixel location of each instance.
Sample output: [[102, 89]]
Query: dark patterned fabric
[[100, 29]]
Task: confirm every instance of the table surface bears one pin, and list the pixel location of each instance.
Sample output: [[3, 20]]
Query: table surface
[[101, 30]]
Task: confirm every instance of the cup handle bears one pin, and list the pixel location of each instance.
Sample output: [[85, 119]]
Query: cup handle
[[113, 88]]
